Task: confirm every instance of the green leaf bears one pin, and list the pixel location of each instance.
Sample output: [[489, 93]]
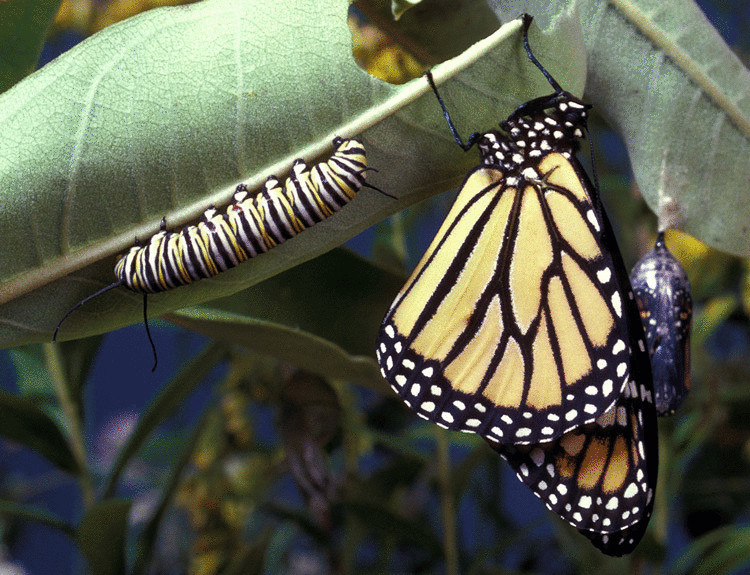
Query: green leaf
[[667, 82], [169, 400], [302, 349], [33, 380], [163, 114], [23, 422], [722, 550], [26, 513], [730, 555], [321, 315], [78, 358], [102, 535], [23, 28]]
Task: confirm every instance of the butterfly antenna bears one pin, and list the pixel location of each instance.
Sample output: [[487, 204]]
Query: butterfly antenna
[[472, 139], [526, 23], [83, 301], [148, 331]]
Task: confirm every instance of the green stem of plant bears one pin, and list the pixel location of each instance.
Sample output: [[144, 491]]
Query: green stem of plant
[[75, 427], [398, 235], [351, 424], [663, 488], [447, 503]]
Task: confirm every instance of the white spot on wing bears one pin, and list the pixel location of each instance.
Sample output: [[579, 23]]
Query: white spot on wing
[[631, 491], [617, 303], [604, 275], [592, 219]]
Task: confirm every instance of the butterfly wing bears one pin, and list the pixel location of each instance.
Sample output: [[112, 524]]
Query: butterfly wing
[[601, 477], [511, 325]]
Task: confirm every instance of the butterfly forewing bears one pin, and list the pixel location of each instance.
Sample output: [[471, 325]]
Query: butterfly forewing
[[511, 325]]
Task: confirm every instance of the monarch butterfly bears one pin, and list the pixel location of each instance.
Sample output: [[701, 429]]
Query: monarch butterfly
[[519, 324], [251, 225], [662, 291]]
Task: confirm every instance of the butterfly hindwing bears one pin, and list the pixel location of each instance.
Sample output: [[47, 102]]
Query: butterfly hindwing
[[599, 478]]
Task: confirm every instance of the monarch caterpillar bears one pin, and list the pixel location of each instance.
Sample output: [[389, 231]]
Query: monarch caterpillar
[[519, 324], [662, 291], [252, 224]]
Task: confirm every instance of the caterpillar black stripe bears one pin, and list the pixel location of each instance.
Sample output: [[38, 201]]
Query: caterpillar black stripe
[[251, 225]]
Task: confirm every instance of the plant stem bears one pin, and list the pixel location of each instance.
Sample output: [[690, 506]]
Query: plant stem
[[447, 503], [74, 424]]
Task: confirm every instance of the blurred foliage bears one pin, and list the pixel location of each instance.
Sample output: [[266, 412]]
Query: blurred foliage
[[289, 472], [381, 56], [90, 16]]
